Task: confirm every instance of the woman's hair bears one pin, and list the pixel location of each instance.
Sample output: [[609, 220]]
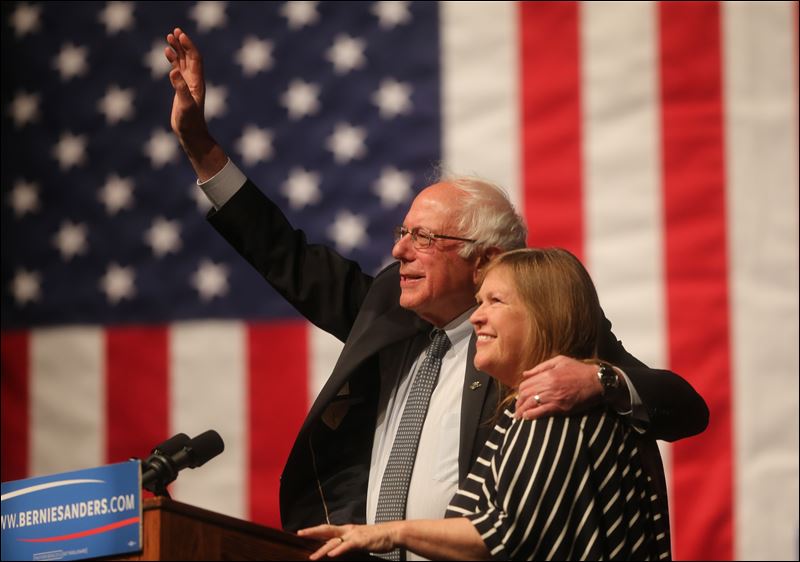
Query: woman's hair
[[561, 300], [487, 216]]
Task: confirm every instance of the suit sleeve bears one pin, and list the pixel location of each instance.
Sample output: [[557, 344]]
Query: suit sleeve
[[322, 285], [674, 407]]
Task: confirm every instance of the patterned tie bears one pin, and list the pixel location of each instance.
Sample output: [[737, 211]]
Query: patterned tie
[[397, 476]]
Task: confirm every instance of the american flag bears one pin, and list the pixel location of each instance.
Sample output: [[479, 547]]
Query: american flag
[[657, 141]]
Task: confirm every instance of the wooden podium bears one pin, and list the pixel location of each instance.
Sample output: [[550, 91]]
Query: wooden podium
[[173, 530]]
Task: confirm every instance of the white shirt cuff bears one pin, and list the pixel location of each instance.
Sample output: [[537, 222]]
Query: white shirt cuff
[[638, 413], [224, 185]]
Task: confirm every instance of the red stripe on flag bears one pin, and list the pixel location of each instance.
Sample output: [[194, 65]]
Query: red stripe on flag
[[278, 387], [137, 394], [551, 124], [14, 351], [696, 271]]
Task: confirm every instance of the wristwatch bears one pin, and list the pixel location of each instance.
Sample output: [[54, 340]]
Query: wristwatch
[[609, 378]]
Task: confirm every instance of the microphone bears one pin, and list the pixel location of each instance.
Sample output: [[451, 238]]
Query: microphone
[[171, 445], [176, 453]]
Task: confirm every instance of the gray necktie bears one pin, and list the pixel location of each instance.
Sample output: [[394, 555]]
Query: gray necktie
[[397, 476]]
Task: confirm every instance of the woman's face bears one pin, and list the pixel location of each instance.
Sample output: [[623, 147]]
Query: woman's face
[[502, 324]]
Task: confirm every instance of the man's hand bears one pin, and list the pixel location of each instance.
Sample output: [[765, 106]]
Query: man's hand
[[186, 76], [187, 119], [563, 386]]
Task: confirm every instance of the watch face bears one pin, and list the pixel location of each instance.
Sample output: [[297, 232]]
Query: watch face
[[608, 377]]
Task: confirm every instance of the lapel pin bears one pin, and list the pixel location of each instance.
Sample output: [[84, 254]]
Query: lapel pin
[[474, 385]]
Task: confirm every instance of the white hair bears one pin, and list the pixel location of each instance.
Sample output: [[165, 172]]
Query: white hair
[[487, 216]]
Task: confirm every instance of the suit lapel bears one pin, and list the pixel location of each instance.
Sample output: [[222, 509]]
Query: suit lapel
[[368, 337], [476, 388]]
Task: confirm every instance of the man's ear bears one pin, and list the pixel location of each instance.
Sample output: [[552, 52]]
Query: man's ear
[[483, 259]]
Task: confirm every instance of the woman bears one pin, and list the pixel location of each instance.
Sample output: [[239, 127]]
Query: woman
[[577, 487]]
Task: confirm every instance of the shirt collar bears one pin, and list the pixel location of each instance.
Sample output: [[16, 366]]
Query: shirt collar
[[460, 327]]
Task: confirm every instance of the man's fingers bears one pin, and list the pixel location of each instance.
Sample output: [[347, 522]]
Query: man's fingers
[[548, 365], [170, 54], [174, 53], [539, 369], [540, 411], [185, 42], [178, 83]]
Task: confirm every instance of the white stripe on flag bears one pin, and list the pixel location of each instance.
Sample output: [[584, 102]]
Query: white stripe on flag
[[324, 350], [209, 391], [622, 174], [67, 400], [762, 169], [624, 246], [480, 92]]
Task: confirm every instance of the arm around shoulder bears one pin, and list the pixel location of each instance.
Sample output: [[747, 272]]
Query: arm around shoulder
[[674, 408]]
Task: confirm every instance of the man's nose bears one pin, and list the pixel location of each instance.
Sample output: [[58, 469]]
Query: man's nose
[[403, 249]]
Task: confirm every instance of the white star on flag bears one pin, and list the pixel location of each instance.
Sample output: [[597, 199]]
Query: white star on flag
[[302, 188], [391, 14], [26, 286], [346, 54], [71, 61], [164, 237], [208, 15], [117, 104], [301, 99], [25, 19], [70, 150], [254, 56], [25, 109], [392, 98], [118, 283], [116, 194], [71, 240], [347, 143], [156, 61], [348, 231], [255, 145], [117, 16], [393, 187], [211, 280], [300, 14], [24, 198], [216, 101], [161, 148]]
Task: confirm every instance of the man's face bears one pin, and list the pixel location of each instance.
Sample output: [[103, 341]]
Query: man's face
[[435, 282]]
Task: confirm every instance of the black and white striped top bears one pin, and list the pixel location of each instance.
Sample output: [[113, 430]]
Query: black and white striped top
[[564, 488]]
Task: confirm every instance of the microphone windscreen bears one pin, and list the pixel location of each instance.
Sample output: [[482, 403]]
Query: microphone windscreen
[[205, 447], [172, 445]]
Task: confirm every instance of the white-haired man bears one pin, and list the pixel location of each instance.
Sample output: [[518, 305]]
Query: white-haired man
[[336, 471]]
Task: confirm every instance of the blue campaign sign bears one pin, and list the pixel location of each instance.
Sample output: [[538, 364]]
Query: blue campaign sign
[[73, 515]]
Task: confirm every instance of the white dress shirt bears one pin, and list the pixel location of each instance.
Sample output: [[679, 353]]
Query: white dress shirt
[[435, 476]]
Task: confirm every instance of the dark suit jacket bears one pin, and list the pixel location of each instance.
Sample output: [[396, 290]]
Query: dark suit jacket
[[328, 467]]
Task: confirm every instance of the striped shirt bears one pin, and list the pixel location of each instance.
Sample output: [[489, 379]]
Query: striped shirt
[[565, 488]]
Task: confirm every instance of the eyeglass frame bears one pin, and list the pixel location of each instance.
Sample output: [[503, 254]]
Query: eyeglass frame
[[417, 234]]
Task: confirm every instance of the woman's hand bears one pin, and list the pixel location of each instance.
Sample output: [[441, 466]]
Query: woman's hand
[[343, 538]]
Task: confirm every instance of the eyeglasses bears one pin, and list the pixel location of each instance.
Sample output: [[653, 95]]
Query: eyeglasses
[[422, 238]]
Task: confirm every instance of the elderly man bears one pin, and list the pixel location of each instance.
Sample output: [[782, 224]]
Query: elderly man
[[404, 413]]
